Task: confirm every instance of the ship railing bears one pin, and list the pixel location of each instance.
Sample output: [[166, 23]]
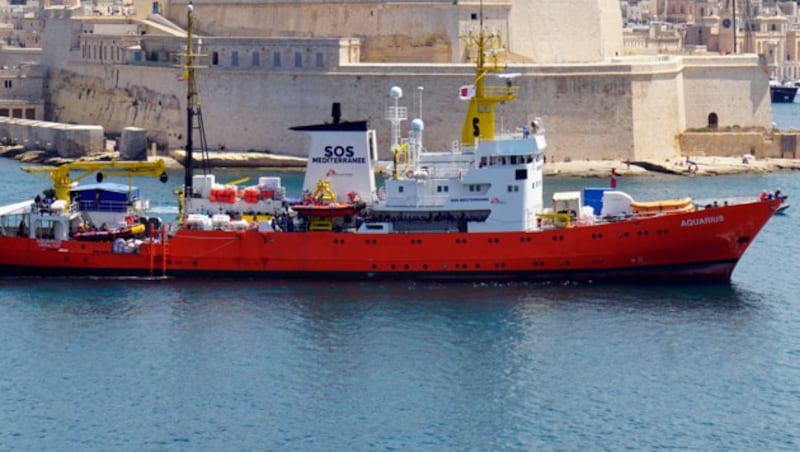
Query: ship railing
[[721, 202], [103, 205], [453, 171]]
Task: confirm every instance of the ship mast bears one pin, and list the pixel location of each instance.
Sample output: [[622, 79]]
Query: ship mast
[[479, 122], [193, 109]]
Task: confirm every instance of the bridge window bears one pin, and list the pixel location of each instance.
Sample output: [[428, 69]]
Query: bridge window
[[256, 59], [234, 58], [276, 59], [298, 59], [320, 59]]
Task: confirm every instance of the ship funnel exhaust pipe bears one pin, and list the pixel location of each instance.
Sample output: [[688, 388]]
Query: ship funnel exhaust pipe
[[336, 112]]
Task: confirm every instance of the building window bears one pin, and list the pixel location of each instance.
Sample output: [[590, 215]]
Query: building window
[[214, 58], [256, 59], [30, 113], [320, 60], [298, 59], [276, 59], [7, 83], [234, 58]]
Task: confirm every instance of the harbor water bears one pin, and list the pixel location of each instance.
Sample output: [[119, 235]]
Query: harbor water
[[261, 364]]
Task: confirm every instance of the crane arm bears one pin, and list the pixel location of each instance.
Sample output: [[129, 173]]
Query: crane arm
[[62, 181]]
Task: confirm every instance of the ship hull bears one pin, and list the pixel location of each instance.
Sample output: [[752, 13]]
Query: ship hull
[[700, 246]]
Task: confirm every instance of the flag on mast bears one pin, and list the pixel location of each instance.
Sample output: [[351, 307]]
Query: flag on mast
[[466, 92]]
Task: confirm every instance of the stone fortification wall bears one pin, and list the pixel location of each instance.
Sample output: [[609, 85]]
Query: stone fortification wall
[[414, 31], [566, 31], [542, 31], [67, 140], [737, 143], [614, 110], [391, 31], [118, 97], [61, 36], [729, 88], [658, 108]]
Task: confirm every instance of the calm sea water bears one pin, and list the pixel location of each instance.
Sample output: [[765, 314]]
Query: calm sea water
[[99, 364]]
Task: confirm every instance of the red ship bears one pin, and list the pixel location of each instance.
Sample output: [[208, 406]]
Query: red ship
[[474, 212]]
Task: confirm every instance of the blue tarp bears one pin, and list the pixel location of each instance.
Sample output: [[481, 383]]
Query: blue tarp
[[105, 196]]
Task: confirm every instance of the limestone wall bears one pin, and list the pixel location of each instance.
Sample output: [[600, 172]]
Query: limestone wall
[[392, 31], [118, 97], [634, 109], [67, 140], [61, 36], [728, 87], [659, 108], [543, 31], [738, 143], [566, 31]]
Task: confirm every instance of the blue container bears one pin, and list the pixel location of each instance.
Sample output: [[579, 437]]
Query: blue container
[[593, 196]]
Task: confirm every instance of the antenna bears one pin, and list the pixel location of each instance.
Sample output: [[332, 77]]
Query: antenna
[[420, 88]]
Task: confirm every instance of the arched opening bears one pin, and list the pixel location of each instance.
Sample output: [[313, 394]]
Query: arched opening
[[713, 121]]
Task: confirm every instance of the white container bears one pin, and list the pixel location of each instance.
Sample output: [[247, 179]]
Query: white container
[[616, 203], [239, 225], [199, 222], [269, 183], [221, 221]]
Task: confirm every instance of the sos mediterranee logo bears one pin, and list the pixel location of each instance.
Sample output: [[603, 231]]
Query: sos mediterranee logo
[[339, 154]]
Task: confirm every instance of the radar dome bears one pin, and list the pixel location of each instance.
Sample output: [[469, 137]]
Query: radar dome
[[396, 92], [417, 125]]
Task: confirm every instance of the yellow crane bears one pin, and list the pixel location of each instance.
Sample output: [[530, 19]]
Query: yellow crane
[[62, 180]]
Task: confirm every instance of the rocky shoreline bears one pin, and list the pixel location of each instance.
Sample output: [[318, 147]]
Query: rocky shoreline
[[693, 166]]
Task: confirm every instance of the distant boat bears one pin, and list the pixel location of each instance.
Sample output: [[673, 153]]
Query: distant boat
[[782, 92]]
